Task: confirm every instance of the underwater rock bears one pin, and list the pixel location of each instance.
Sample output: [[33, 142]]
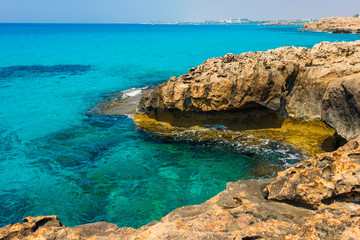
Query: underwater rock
[[325, 177], [311, 137], [244, 211], [239, 212], [284, 82]]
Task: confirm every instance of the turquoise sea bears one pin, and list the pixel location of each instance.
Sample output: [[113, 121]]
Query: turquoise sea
[[54, 159]]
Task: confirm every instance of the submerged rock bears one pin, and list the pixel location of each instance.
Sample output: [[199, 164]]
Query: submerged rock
[[335, 25], [239, 212], [325, 177], [311, 137], [286, 82], [244, 210]]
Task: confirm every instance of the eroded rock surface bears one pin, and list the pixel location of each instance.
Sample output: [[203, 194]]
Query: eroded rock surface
[[50, 228], [323, 177], [336, 221], [239, 212], [288, 81], [335, 25]]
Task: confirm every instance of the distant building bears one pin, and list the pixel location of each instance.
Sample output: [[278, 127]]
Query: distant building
[[238, 20]]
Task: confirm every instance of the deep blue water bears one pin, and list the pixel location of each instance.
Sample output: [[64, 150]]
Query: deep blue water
[[56, 160]]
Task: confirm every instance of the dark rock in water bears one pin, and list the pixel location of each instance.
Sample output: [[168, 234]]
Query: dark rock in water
[[25, 71], [239, 212], [243, 211], [120, 103], [286, 82]]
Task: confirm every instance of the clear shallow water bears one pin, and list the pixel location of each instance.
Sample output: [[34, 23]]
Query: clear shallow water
[[56, 160]]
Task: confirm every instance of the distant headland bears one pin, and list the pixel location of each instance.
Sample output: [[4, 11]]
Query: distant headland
[[335, 25]]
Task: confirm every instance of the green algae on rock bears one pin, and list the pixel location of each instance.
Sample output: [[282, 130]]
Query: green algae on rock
[[307, 135]]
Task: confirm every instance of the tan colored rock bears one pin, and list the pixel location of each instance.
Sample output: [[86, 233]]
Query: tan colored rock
[[50, 228], [42, 227], [336, 221], [335, 25], [239, 212], [281, 23], [323, 177], [288, 81]]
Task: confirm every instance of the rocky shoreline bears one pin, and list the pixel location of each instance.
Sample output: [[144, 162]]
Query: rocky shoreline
[[317, 198], [281, 23], [322, 83], [335, 25], [328, 184]]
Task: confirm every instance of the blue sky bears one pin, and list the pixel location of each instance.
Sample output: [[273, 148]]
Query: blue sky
[[109, 11]]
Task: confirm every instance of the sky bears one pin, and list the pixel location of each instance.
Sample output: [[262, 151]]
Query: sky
[[146, 11]]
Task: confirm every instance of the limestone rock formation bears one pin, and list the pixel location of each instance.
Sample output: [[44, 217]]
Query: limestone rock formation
[[335, 25], [297, 82], [239, 212], [327, 176], [50, 228], [336, 221], [243, 210], [43, 227]]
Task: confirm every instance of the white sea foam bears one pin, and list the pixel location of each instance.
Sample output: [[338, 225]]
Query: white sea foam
[[132, 92]]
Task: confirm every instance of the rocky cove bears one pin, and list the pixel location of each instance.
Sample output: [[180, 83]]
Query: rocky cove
[[309, 98]]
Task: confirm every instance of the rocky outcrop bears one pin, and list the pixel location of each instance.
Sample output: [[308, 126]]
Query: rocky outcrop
[[335, 25], [50, 228], [281, 23], [296, 82], [239, 212], [325, 177], [308, 137], [335, 221]]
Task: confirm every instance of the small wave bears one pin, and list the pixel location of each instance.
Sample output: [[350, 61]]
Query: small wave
[[132, 92]]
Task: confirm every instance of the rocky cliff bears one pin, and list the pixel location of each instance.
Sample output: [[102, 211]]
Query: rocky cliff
[[322, 83], [335, 25], [328, 182]]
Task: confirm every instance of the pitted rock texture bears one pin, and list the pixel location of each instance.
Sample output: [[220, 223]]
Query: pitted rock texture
[[323, 177], [240, 212], [289, 81], [50, 228], [336, 221], [335, 25]]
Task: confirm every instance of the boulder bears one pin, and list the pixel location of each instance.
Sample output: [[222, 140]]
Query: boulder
[[286, 82], [334, 25], [325, 177]]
